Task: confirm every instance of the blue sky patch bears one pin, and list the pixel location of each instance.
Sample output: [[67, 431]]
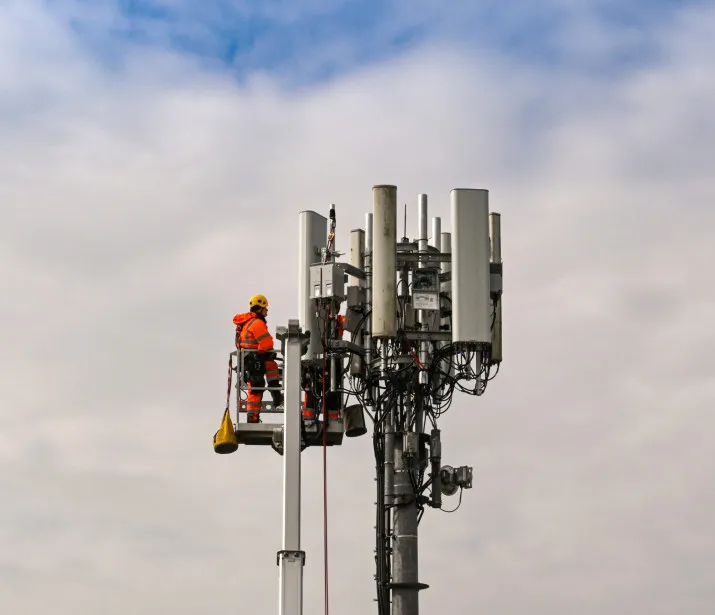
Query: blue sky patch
[[312, 41]]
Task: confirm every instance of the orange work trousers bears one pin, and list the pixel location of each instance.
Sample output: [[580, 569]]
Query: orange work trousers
[[257, 386]]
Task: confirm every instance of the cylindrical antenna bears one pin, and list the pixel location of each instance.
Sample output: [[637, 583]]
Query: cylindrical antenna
[[357, 254], [368, 287], [447, 365], [471, 314], [422, 245], [446, 266], [368, 234], [436, 241], [357, 259], [422, 222], [405, 238], [495, 237], [497, 280], [311, 238], [384, 256]]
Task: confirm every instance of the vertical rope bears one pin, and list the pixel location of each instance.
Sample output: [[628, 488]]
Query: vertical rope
[[325, 461], [228, 389]]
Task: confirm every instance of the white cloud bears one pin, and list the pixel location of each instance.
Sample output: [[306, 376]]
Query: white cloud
[[142, 207]]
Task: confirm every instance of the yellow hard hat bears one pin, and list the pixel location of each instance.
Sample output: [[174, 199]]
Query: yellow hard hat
[[258, 300]]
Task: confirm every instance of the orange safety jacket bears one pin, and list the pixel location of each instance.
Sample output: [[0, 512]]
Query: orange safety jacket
[[252, 332]]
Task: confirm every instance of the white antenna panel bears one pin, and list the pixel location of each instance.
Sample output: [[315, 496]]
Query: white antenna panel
[[471, 323]]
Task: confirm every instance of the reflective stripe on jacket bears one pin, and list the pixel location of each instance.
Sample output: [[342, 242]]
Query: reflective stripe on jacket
[[254, 333]]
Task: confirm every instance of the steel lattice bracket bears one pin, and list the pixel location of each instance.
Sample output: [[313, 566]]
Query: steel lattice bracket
[[261, 434]]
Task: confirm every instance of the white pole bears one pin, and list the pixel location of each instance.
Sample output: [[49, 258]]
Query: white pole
[[436, 233], [422, 222], [291, 559]]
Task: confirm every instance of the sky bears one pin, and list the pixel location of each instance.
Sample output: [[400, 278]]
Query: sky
[[154, 157]]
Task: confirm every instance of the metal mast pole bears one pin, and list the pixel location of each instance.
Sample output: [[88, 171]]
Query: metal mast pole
[[291, 559], [405, 585], [406, 455]]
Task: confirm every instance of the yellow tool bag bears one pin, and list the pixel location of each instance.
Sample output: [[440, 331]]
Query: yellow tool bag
[[225, 440]]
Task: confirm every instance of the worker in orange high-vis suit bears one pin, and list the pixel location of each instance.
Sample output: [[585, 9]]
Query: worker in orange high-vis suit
[[259, 364]]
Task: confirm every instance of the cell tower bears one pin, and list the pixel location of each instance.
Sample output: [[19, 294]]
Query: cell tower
[[424, 319]]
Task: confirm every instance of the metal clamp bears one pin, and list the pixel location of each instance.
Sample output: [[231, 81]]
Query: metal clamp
[[416, 585], [290, 555]]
